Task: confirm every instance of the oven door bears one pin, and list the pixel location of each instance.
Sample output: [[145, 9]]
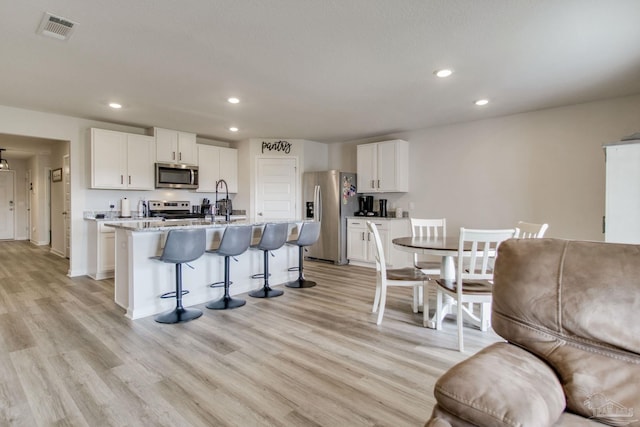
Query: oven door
[[176, 176]]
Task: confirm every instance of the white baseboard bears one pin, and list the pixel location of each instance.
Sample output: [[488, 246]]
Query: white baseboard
[[56, 252]]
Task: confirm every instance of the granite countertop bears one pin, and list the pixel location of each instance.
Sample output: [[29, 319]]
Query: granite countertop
[[159, 225], [369, 218]]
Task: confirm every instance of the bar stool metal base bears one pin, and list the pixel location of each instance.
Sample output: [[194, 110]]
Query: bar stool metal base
[[301, 283], [179, 315], [266, 292], [226, 303]]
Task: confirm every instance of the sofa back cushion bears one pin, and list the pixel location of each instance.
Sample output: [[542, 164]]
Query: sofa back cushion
[[577, 306]]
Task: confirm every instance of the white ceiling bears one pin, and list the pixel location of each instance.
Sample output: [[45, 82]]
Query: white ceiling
[[324, 70]]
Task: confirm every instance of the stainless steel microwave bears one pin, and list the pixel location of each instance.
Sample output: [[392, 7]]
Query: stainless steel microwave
[[176, 176]]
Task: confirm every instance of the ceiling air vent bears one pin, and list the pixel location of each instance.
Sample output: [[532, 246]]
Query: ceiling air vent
[[56, 26]]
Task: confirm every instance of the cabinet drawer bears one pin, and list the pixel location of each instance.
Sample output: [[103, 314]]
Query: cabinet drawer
[[362, 223]]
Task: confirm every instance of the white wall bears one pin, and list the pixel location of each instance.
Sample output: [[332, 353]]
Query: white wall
[[542, 166], [16, 121]]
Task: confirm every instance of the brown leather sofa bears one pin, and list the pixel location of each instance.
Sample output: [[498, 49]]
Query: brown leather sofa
[[570, 312]]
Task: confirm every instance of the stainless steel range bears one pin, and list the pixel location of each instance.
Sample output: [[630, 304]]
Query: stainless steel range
[[172, 210]]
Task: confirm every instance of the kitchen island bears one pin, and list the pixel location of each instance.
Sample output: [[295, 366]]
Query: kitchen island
[[140, 280]]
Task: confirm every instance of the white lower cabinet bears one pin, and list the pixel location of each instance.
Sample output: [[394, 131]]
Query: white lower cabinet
[[101, 259], [361, 247]]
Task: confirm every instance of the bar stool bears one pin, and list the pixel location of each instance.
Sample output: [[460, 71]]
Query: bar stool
[[182, 246], [308, 235], [273, 237], [235, 241]]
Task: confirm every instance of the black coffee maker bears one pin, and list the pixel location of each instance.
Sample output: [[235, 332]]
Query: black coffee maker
[[365, 206]]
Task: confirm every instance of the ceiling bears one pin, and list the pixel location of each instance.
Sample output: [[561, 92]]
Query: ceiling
[[323, 70]]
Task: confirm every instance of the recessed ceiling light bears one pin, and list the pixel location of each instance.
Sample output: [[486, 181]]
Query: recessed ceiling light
[[115, 105], [445, 72], [233, 129], [481, 102], [233, 100]]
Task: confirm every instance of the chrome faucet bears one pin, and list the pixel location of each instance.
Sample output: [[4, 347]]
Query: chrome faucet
[[227, 213]]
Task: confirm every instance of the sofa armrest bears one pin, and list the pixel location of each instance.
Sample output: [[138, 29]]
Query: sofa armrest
[[502, 385]]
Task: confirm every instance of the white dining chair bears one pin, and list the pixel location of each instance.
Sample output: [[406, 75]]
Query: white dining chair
[[392, 277], [474, 277], [428, 228], [529, 230]]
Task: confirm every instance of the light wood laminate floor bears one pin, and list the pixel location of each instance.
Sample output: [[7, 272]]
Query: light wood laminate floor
[[312, 357]]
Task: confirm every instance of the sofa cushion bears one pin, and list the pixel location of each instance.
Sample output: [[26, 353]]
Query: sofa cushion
[[576, 306], [502, 385]]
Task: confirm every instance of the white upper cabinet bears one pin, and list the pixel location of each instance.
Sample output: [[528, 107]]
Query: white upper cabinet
[[121, 160], [173, 146], [214, 164], [383, 167]]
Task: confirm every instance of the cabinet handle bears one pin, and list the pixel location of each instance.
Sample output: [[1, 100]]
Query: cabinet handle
[[368, 237], [362, 235], [173, 155], [129, 179], [180, 156], [121, 179], [378, 183], [373, 183]]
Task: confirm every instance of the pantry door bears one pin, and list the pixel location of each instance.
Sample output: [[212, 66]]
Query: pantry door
[[7, 205], [276, 187]]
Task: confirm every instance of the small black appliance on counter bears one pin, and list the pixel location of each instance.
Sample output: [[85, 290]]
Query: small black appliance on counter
[[383, 207], [365, 206]]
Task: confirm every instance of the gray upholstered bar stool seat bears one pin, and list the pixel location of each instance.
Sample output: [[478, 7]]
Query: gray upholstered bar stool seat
[[235, 241], [182, 246], [308, 235], [273, 237]]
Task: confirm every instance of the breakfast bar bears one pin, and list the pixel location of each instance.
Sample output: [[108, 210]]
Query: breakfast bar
[[141, 280]]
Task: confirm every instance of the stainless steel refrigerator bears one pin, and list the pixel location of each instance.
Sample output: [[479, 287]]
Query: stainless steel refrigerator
[[329, 197]]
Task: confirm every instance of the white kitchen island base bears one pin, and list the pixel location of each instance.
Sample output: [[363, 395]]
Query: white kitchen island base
[[140, 280]]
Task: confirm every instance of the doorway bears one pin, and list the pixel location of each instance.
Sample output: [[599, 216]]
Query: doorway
[[276, 187], [66, 173], [7, 205]]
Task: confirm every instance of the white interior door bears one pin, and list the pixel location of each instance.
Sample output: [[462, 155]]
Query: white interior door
[[7, 205], [66, 174], [276, 188], [623, 193]]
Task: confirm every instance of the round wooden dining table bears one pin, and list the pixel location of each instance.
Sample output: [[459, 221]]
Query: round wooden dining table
[[444, 247]]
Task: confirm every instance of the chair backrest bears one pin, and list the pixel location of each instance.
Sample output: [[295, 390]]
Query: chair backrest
[[184, 245], [529, 230], [309, 234], [428, 227], [477, 262], [381, 265], [235, 240], [273, 236]]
